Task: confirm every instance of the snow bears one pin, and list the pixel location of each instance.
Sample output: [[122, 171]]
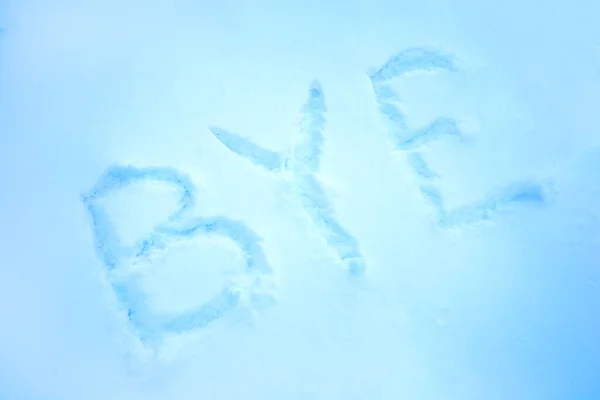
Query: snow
[[299, 200]]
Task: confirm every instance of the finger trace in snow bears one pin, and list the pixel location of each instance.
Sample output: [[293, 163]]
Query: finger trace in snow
[[524, 193], [108, 245], [305, 154], [317, 207], [251, 289], [269, 160], [405, 138], [415, 59], [438, 129], [302, 163], [420, 166], [501, 200]]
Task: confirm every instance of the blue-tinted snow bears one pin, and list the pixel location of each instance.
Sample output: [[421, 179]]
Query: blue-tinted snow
[[381, 173]]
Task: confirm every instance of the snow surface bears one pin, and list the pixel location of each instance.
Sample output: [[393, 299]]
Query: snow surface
[[299, 200]]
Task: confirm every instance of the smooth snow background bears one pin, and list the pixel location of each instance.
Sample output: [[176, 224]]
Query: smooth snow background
[[508, 311]]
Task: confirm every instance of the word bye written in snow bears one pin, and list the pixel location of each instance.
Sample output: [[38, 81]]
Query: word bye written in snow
[[252, 288]]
